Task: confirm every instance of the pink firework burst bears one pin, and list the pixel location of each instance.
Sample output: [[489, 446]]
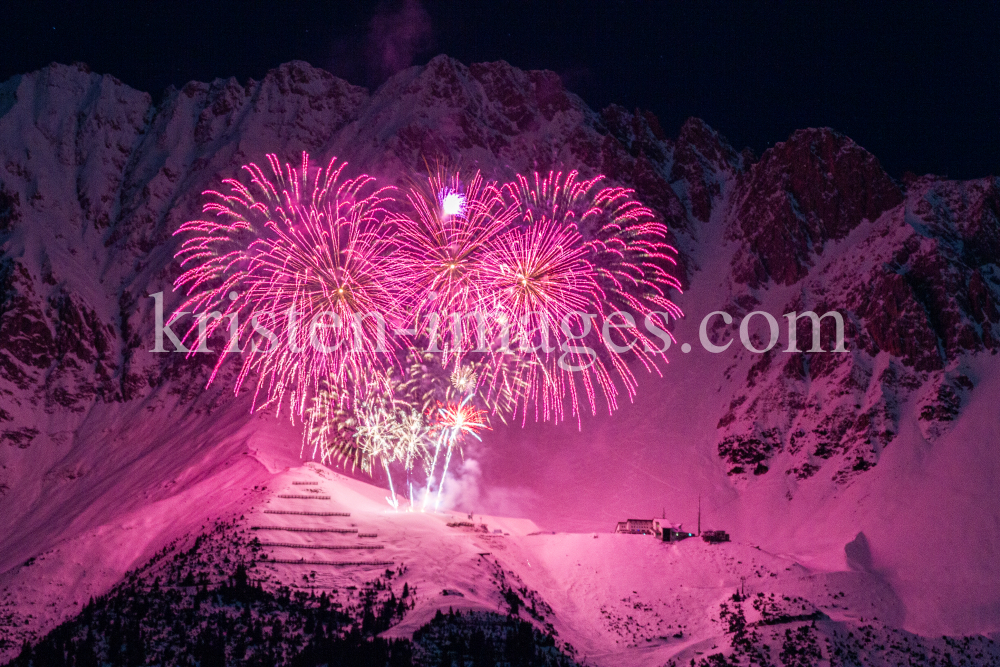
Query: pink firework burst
[[580, 257], [446, 231], [625, 241], [539, 276], [459, 419], [540, 273], [306, 253]]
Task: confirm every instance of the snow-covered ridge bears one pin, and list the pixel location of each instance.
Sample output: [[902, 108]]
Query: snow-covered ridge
[[328, 541]]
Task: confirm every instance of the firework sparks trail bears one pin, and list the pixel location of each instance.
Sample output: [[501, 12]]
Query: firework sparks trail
[[456, 421], [431, 469], [445, 235], [393, 501], [390, 432], [329, 427], [444, 475], [575, 248], [376, 441], [429, 385], [307, 250], [625, 242], [425, 380], [541, 277]]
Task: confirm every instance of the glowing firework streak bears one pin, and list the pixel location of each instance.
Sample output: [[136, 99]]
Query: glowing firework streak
[[625, 242], [431, 469], [308, 252], [454, 422], [390, 434], [393, 501], [428, 386], [578, 255], [444, 475], [445, 235]]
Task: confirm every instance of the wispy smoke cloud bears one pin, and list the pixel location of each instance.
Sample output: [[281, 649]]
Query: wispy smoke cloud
[[465, 490], [395, 38], [461, 486], [397, 33]]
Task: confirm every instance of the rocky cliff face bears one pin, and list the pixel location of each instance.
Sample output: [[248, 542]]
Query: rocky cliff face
[[95, 177], [912, 275]]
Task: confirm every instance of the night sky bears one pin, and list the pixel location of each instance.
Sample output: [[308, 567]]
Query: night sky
[[917, 84]]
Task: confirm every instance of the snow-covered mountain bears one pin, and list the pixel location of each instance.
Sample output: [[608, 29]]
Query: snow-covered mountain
[[317, 570], [109, 452]]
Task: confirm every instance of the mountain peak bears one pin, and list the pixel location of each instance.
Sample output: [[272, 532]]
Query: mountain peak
[[813, 188]]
